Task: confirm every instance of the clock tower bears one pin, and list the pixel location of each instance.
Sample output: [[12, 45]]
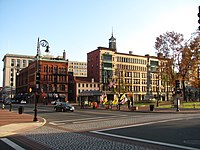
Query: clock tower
[[112, 43]]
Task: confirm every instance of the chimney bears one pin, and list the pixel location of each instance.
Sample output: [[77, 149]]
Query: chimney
[[160, 55], [64, 55]]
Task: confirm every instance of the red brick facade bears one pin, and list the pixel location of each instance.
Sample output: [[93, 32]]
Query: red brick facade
[[53, 80]]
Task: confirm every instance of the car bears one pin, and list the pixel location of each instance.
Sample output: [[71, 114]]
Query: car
[[64, 106], [23, 102], [7, 101], [14, 101], [55, 102]]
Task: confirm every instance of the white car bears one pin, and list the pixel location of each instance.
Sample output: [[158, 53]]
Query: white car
[[23, 102]]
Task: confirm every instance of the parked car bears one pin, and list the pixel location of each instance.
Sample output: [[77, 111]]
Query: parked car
[[63, 106]]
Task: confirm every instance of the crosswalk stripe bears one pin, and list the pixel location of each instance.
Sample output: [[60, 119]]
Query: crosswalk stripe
[[12, 144]]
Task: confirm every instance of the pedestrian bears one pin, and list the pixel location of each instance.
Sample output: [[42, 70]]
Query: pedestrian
[[119, 103], [132, 102], [111, 104], [82, 104], [93, 105], [128, 103]]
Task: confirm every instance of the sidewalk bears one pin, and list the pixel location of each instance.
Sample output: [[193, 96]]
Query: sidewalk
[[13, 123], [146, 109]]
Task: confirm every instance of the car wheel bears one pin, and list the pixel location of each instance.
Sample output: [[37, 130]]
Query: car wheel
[[55, 109], [62, 110]]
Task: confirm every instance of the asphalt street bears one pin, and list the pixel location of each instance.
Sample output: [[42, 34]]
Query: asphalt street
[[183, 133]]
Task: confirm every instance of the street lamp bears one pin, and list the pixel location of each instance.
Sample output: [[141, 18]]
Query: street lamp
[[43, 43]]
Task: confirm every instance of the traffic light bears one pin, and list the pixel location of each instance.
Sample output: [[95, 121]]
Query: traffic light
[[177, 84], [37, 78], [199, 18]]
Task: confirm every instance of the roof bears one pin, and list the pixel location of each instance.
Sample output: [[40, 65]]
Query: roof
[[112, 38]]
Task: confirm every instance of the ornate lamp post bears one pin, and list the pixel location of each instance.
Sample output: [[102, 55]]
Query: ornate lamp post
[[43, 43]]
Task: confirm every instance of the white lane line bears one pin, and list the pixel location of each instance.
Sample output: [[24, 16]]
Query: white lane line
[[74, 120], [96, 120], [140, 124], [143, 140], [56, 124], [12, 144], [146, 141]]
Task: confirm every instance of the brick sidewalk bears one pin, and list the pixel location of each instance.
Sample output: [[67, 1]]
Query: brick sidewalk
[[14, 123], [7, 117]]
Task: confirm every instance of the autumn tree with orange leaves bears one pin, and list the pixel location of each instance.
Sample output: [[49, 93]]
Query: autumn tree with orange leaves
[[183, 57]]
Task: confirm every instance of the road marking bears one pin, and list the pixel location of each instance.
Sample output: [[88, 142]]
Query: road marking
[[97, 120], [143, 140], [12, 144], [83, 120], [146, 141], [147, 123], [139, 124], [56, 124]]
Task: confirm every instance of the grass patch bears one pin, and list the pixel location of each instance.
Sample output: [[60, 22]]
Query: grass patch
[[190, 105], [165, 104]]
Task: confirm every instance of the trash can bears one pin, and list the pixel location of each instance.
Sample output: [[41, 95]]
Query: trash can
[[20, 109], [151, 107]]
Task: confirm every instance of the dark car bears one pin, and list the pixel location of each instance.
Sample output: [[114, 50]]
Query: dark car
[[7, 101], [63, 106]]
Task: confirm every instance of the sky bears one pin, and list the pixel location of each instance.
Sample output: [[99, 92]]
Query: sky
[[80, 26]]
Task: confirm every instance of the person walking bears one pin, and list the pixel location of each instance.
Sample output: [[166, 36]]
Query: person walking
[[128, 102]]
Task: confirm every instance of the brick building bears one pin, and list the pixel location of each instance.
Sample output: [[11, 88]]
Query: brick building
[[53, 80]]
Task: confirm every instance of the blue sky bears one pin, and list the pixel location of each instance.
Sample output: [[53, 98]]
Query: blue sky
[[80, 26]]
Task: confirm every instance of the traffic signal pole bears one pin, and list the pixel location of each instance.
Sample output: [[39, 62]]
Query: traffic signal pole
[[178, 92], [199, 18]]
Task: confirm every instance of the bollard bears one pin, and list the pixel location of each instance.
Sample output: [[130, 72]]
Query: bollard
[[151, 107], [3, 106], [20, 109]]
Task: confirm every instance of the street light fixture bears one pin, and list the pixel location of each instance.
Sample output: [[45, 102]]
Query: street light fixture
[[43, 43]]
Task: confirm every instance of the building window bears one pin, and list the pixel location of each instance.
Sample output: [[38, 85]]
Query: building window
[[29, 61], [18, 62], [62, 87], [44, 87], [24, 63], [12, 62], [50, 88]]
